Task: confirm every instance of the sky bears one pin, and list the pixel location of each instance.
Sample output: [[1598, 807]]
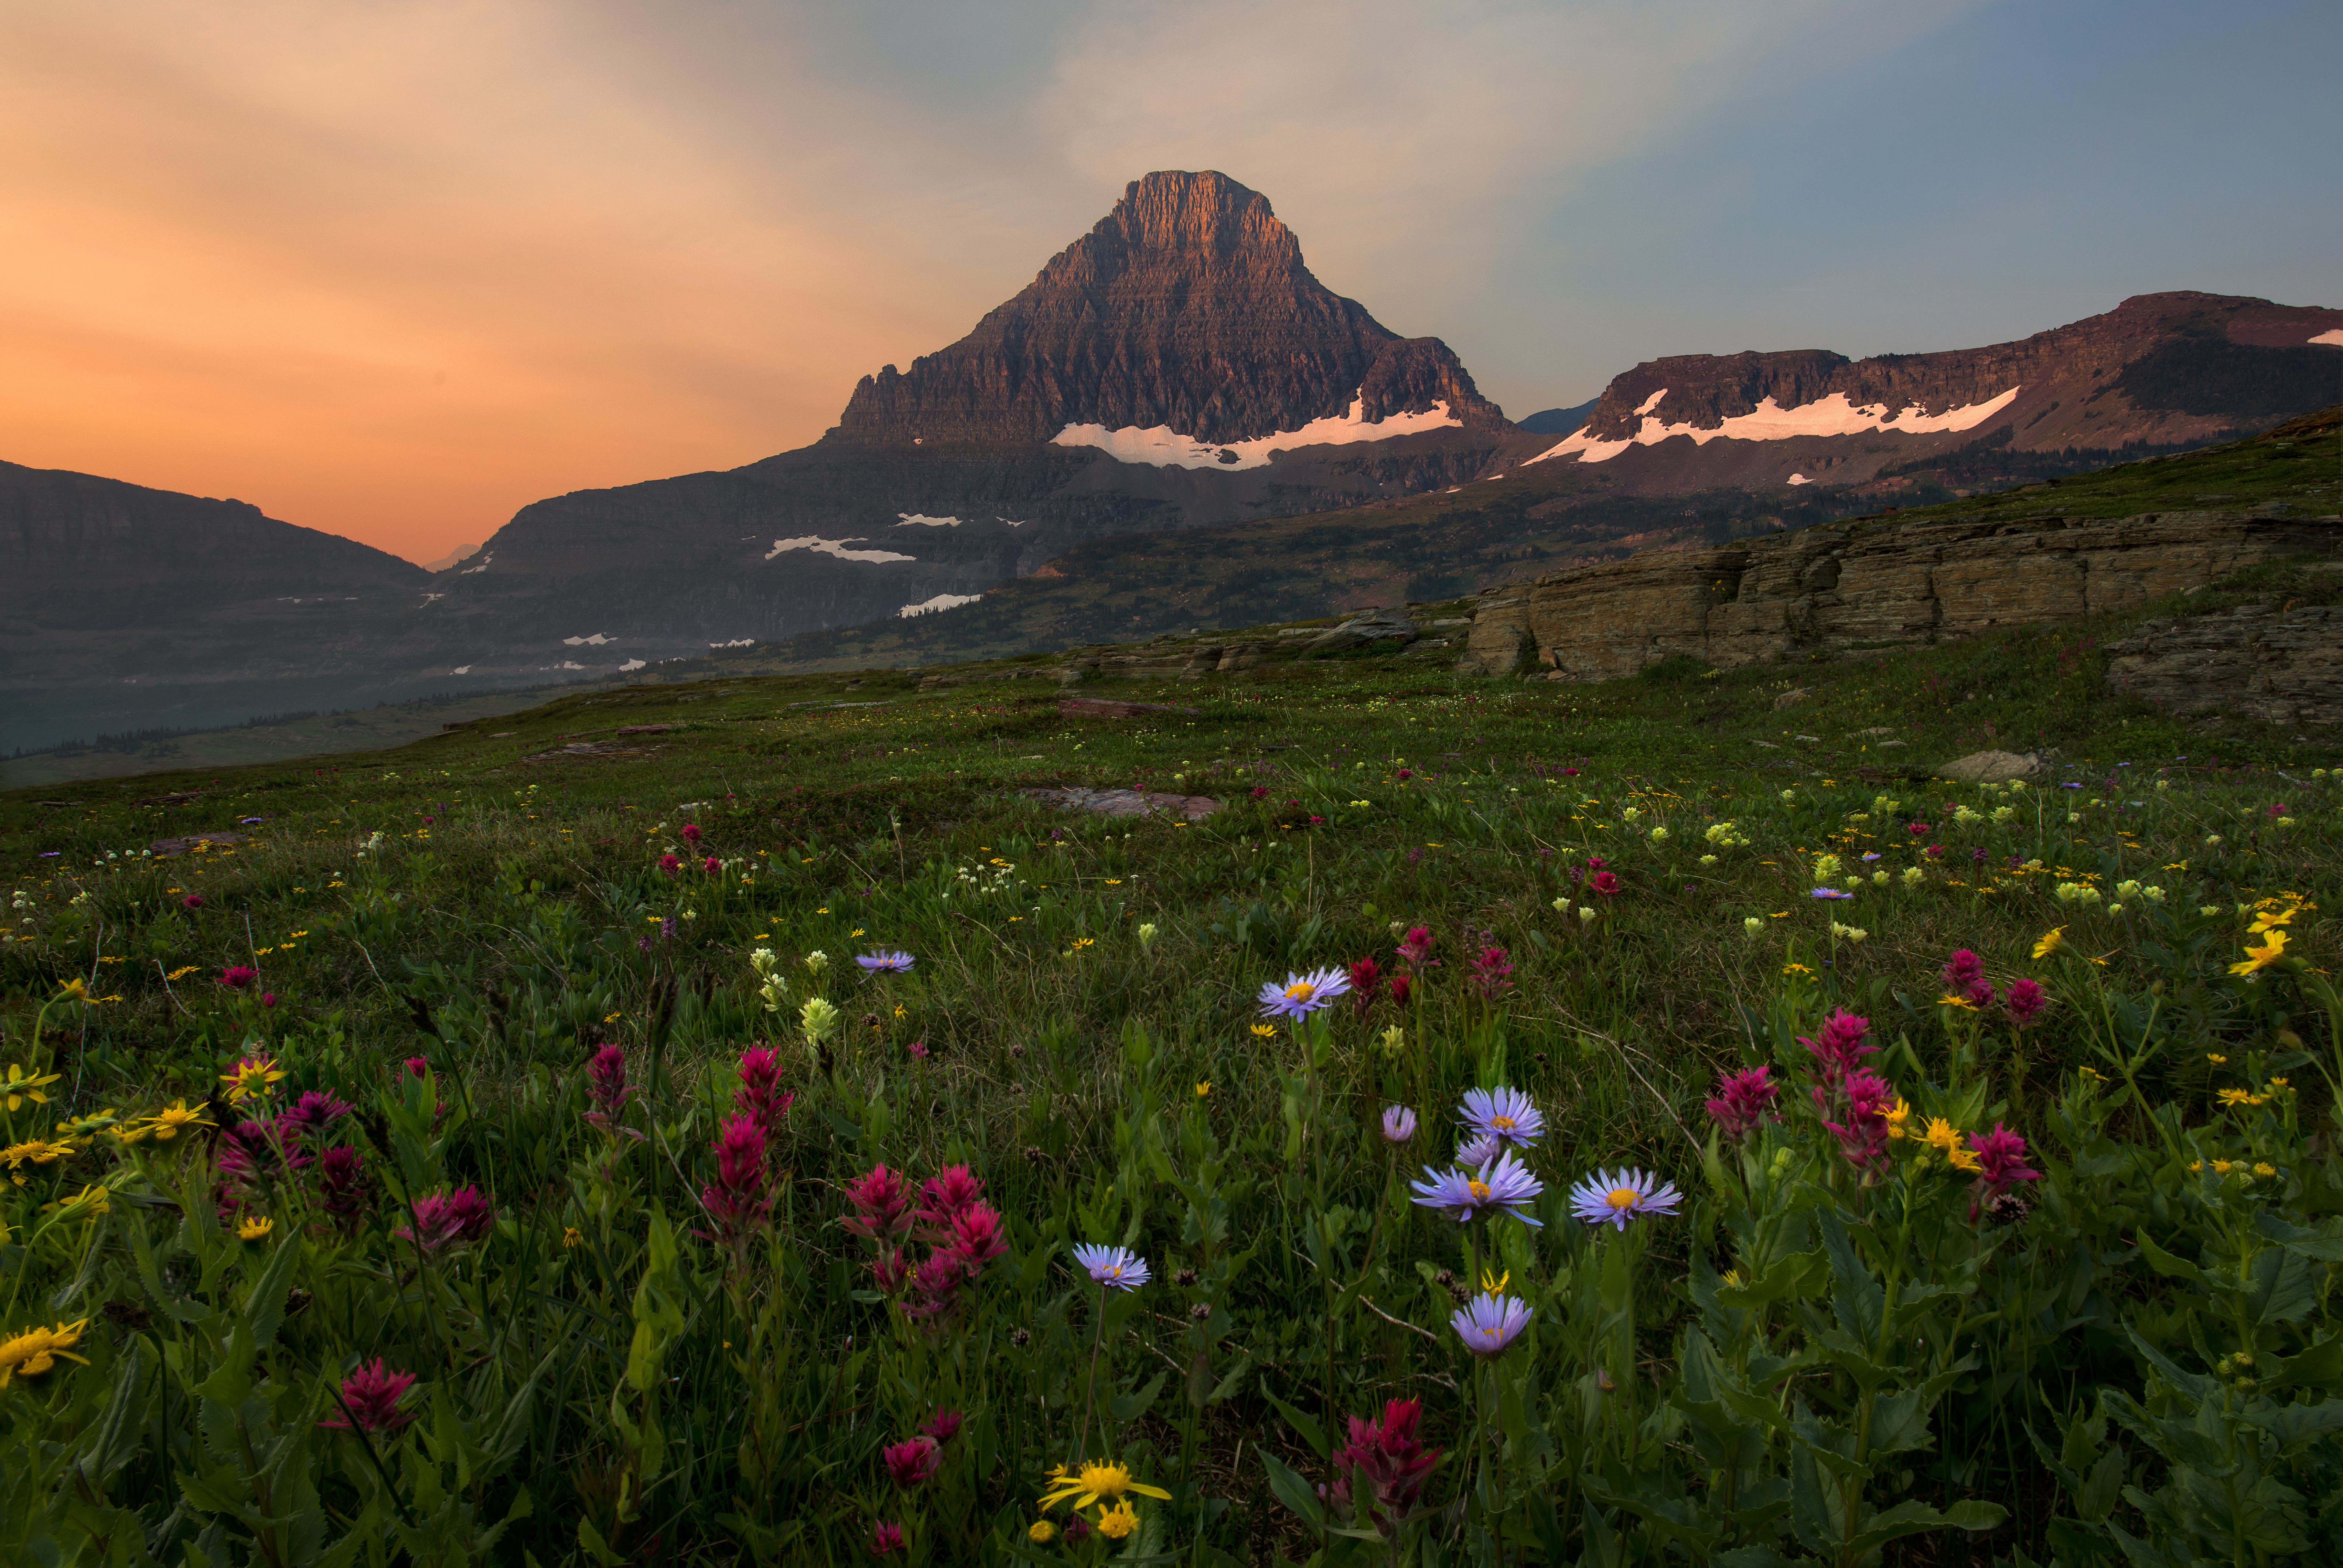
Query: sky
[[396, 268]]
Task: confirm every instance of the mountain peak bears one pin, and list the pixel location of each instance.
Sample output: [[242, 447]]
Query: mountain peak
[[1187, 308]]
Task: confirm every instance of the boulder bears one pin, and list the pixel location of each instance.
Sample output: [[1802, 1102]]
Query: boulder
[[1374, 626], [1990, 767], [1792, 697], [1129, 802]]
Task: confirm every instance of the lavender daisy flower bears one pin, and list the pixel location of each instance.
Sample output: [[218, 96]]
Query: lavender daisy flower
[[1478, 1150], [1490, 1323], [1504, 1114], [885, 962], [1503, 1183], [1829, 894], [1303, 995], [1118, 1266], [1399, 1124], [1614, 1197]]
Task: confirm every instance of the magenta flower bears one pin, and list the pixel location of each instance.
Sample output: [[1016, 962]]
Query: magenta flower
[[911, 1463], [761, 1093], [311, 1115], [976, 1238], [1366, 982], [372, 1393], [418, 1067], [882, 1205], [1863, 1135], [691, 833], [711, 865], [1492, 972], [2025, 1000], [944, 1425], [1399, 986], [1745, 1101], [1383, 1469], [443, 1221], [671, 864], [738, 1200], [1839, 1046], [1415, 948], [2001, 1164], [947, 1193], [1399, 1124], [606, 1082], [239, 977], [341, 1176], [1606, 883], [192, 901], [886, 1539], [1963, 972]]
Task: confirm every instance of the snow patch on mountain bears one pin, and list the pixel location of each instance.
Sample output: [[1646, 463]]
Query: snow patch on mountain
[[941, 601], [911, 519], [834, 547], [1167, 449], [2332, 339], [1831, 416], [597, 640]]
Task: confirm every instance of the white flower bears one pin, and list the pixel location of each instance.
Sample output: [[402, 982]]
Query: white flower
[[1660, 834], [2005, 813], [2115, 908], [1584, 913], [1146, 935], [1708, 860], [2212, 837], [2076, 893], [1630, 814], [816, 962], [1825, 868], [1753, 925], [1914, 877], [1878, 879], [1561, 907], [1851, 934]]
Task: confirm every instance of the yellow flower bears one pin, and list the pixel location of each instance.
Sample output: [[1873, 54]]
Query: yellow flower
[[182, 974], [1118, 1522], [254, 1230], [20, 1086], [36, 1350], [1263, 1030], [2261, 958], [1096, 1484], [1949, 999], [74, 987], [1947, 1139], [2092, 1075], [1795, 969], [253, 1075], [1495, 1284], [1897, 1117], [36, 1151], [2215, 1057], [166, 1123], [1043, 1532], [2223, 1167], [2051, 941], [2235, 1097], [1203, 1088], [90, 1201], [571, 1237], [2262, 1169]]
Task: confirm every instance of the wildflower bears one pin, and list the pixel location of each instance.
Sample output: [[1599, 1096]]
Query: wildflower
[[1829, 894], [2001, 1163], [886, 1539], [1914, 876], [885, 962], [1839, 1046], [449, 1220], [1118, 1267], [1401, 985], [816, 962], [818, 1020], [1604, 883], [2273, 948], [947, 1193], [1096, 1483], [2025, 1002], [944, 1425], [1615, 1197], [1146, 939], [1753, 925], [255, 1229], [691, 833], [1301, 994], [1399, 1124], [607, 1086], [192, 901], [1863, 1136], [1849, 933], [91, 1200], [239, 977], [1118, 1522], [341, 1173], [2052, 940], [910, 1463], [1478, 1150], [671, 864], [738, 1200], [1393, 1040], [1203, 1088], [20, 1086], [1825, 868], [882, 1205], [36, 1350], [253, 1075], [1490, 1323], [1042, 1533], [1500, 1184], [761, 1093], [1745, 1101], [370, 1394], [1504, 1114], [1586, 915], [1492, 973]]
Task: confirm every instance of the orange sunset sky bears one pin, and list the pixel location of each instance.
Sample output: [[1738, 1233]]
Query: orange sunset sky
[[395, 268]]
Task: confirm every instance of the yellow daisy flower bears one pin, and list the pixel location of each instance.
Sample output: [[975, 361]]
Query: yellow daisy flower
[[36, 1350], [1097, 1482]]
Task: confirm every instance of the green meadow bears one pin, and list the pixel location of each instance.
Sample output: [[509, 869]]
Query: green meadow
[[495, 1151]]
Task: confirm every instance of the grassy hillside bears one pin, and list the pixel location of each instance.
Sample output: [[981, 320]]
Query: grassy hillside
[[526, 974]]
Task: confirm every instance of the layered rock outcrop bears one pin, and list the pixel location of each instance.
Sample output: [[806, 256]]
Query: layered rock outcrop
[[1876, 586], [1188, 307], [2278, 664]]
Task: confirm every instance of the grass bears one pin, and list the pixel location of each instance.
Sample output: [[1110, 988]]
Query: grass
[[611, 1374]]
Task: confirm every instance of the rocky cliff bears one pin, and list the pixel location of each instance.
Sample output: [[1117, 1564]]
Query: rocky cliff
[[1187, 308], [1865, 587]]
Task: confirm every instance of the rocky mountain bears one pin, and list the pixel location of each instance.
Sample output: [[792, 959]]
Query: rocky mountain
[[2160, 371]]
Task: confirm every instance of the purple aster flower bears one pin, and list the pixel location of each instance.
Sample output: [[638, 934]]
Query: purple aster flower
[[1829, 894], [1302, 994], [1504, 1114], [1117, 1266], [885, 962], [1478, 1150], [1399, 1124], [1501, 1183], [1490, 1323], [1873, 855], [1614, 1197]]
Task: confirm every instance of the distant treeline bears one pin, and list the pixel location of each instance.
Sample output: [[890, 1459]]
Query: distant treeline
[[130, 741], [1989, 460]]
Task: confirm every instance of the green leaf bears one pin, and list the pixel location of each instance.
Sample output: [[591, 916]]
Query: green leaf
[[264, 1308], [1858, 1299], [2296, 1424], [1817, 1518], [2320, 1366], [1899, 1421], [2326, 1243], [1292, 1490], [1916, 1518], [1789, 1276], [2283, 1289], [109, 1447], [1309, 1431], [2164, 1263], [1130, 1407]]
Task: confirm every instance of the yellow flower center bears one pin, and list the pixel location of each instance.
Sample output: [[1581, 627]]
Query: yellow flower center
[[1479, 1189], [1301, 990], [1624, 1198], [1502, 1123]]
